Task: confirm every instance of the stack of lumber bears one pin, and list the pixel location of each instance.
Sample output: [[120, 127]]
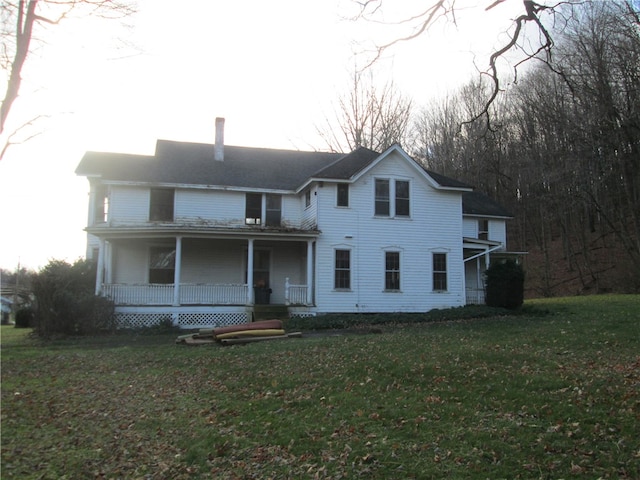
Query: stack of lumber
[[235, 334]]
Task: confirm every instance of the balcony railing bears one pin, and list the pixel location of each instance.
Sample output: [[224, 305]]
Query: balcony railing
[[163, 294]]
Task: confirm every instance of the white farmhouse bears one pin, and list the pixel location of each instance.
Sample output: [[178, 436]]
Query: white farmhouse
[[205, 234]]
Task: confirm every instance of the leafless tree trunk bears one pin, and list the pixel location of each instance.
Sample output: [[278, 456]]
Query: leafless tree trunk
[[19, 20]]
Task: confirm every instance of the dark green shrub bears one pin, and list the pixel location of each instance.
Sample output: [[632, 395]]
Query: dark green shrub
[[25, 317], [505, 285], [65, 303]]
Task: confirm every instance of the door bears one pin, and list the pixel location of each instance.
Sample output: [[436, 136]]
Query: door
[[261, 263]]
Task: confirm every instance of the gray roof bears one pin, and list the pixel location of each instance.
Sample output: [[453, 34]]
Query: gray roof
[[193, 164], [183, 163], [476, 203]]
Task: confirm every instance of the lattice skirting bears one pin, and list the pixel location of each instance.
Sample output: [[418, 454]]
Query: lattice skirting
[[186, 320]]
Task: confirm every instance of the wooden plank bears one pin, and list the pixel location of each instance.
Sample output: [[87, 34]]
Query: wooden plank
[[265, 332], [238, 341]]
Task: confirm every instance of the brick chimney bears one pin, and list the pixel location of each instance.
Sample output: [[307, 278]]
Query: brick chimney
[[218, 148]]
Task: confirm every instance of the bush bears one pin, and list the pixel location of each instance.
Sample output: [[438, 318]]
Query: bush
[[25, 317], [65, 303], [505, 285]]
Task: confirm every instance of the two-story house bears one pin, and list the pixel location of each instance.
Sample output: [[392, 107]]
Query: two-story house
[[201, 233]]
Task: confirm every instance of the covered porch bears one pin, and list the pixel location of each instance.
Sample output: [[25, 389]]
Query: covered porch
[[478, 256], [206, 272]]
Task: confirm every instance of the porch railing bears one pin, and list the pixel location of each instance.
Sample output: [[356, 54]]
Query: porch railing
[[163, 294], [475, 296], [295, 294]]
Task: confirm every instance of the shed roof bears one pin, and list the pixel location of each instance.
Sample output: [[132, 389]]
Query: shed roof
[[477, 203]]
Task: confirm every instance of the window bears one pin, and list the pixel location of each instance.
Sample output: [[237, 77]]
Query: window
[[253, 209], [307, 198], [274, 210], [162, 264], [439, 271], [161, 205], [101, 214], [402, 198], [343, 195], [392, 271], [382, 197], [342, 278], [388, 190], [483, 229]]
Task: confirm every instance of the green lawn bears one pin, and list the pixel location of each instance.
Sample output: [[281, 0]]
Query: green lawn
[[529, 396]]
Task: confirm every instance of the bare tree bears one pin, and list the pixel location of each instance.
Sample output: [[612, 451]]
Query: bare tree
[[368, 116], [522, 43], [19, 22], [566, 158]]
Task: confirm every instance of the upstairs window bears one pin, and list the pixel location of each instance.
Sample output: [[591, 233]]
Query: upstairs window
[[342, 276], [483, 229], [343, 195], [162, 265], [161, 205], [274, 210], [253, 210], [382, 197], [439, 272], [402, 198], [392, 271], [307, 198], [392, 198], [263, 209], [101, 208]]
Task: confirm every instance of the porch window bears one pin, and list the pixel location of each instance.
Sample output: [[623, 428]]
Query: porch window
[[162, 265], [392, 271], [343, 195], [342, 278], [382, 197], [439, 272], [483, 229], [161, 205], [274, 210], [402, 198], [253, 209]]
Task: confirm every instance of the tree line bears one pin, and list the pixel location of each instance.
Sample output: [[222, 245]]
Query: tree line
[[559, 147]]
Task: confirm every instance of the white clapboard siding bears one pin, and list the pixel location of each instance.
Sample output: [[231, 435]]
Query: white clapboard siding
[[470, 227], [435, 225], [209, 206], [213, 261], [309, 213], [130, 262], [498, 231], [128, 205]]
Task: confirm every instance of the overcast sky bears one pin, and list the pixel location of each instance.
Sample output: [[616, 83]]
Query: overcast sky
[[273, 69]]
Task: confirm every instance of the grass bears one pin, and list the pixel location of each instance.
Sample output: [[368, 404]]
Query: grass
[[526, 396]]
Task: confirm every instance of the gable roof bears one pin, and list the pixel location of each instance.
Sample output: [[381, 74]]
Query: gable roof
[[477, 203], [184, 163]]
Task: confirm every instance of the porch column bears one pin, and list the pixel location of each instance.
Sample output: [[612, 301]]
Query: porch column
[[100, 266], [177, 272], [309, 271], [479, 282], [250, 298]]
